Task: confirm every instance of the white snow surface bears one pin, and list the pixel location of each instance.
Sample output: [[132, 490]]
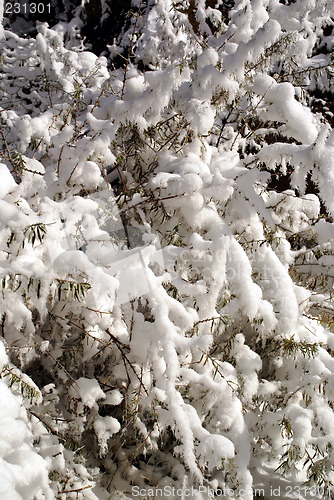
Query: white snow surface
[[23, 472], [181, 324]]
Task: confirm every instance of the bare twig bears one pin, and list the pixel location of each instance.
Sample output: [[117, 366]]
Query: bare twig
[[120, 347], [10, 158], [48, 426], [70, 177], [150, 201], [3, 325], [77, 490], [59, 158]]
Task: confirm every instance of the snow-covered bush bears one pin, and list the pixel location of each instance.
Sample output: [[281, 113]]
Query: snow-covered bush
[[167, 254]]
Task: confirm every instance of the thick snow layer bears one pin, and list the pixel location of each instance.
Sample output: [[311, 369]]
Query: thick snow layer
[[7, 181], [177, 319], [283, 107], [201, 115], [23, 473], [88, 390]]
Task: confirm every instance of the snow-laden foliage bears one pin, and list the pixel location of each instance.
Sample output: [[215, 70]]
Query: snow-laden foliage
[[167, 255]]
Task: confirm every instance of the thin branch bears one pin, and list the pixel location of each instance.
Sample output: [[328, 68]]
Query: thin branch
[[10, 158], [48, 426], [77, 490], [70, 177], [151, 201], [59, 159]]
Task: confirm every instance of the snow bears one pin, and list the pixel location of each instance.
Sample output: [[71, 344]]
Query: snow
[[208, 56], [324, 231], [200, 115], [283, 107], [113, 398], [88, 390], [23, 473], [8, 184], [215, 448], [301, 419], [170, 300], [104, 428]]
